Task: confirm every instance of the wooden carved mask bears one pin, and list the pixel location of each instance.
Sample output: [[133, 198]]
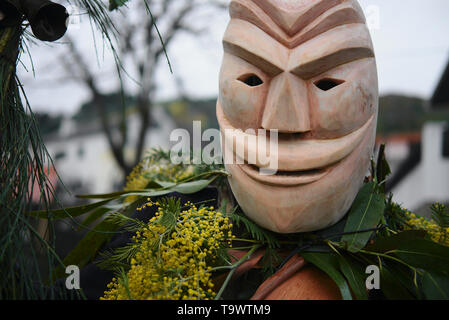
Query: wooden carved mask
[[307, 69]]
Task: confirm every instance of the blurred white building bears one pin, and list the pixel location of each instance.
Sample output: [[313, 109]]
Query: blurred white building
[[82, 155], [428, 182], [423, 178]]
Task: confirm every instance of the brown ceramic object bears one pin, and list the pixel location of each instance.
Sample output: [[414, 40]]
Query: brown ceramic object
[[308, 284]]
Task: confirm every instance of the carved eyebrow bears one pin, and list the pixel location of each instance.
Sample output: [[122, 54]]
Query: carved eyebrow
[[255, 46], [323, 64], [349, 43], [346, 43]]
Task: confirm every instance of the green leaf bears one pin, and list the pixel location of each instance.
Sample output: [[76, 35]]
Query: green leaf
[[150, 187], [88, 247], [392, 287], [404, 277], [171, 208], [440, 214], [150, 194], [163, 189], [68, 212], [106, 195], [329, 264], [383, 168], [354, 273], [94, 216], [366, 212], [435, 286], [424, 254], [382, 245], [114, 4], [192, 187], [166, 184]]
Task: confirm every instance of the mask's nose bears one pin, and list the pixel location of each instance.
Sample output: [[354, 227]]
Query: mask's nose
[[287, 105]]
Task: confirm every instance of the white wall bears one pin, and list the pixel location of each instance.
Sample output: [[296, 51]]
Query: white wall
[[429, 182]]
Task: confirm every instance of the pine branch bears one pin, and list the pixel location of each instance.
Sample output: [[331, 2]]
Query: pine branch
[[255, 231], [440, 214]]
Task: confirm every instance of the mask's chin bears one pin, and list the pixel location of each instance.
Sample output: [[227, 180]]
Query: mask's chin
[[303, 200]]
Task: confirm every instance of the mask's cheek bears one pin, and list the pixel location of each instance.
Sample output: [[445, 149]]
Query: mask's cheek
[[346, 107], [242, 95]]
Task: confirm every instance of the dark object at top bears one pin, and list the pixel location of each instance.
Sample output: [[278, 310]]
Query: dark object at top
[[441, 96], [48, 20], [9, 14]]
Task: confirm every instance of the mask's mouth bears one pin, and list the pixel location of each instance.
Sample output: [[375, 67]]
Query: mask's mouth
[[286, 178], [295, 160]]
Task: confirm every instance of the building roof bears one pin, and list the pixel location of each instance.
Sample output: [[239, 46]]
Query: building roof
[[403, 137], [440, 97]]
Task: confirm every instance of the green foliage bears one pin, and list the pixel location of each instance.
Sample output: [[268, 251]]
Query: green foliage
[[93, 217], [270, 260], [190, 187], [329, 263], [117, 211], [353, 272], [391, 284], [373, 233], [440, 214], [383, 169], [400, 114], [23, 160], [114, 4], [157, 168], [88, 248], [127, 223], [98, 13], [394, 214], [171, 208], [266, 239], [393, 242], [424, 254], [67, 212], [435, 286], [23, 163], [256, 232], [365, 214], [377, 232], [113, 106]]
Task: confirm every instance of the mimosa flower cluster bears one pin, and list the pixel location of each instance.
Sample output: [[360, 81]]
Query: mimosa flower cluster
[[151, 169], [176, 255], [437, 234]]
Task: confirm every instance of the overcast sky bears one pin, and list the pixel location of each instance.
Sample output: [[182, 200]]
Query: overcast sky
[[410, 38]]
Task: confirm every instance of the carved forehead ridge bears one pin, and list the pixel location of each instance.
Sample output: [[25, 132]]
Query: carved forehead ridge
[[293, 22]]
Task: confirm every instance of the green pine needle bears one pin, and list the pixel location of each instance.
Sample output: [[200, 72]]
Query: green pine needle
[[256, 232], [440, 214]]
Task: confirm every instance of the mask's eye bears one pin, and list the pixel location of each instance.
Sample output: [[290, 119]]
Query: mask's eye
[[328, 84], [251, 80]]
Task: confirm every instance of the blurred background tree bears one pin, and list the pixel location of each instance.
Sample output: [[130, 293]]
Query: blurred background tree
[[140, 44]]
